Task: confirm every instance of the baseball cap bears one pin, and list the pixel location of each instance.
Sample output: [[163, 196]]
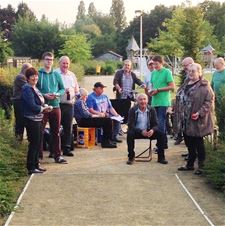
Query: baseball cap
[[99, 84], [150, 62]]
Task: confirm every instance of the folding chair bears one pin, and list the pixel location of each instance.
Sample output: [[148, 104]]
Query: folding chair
[[146, 158]]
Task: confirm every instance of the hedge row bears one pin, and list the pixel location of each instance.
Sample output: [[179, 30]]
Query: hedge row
[[12, 167]]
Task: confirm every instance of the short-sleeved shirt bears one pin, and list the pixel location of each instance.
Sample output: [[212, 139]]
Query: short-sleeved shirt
[[161, 78], [218, 81], [99, 103], [147, 80]]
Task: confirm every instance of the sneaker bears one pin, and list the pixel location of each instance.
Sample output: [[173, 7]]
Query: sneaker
[[130, 161], [198, 172], [42, 169], [178, 141], [34, 171], [155, 150], [185, 168], [60, 160]]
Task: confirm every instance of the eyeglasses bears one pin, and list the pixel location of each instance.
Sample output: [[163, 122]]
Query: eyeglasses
[[192, 71], [49, 59]]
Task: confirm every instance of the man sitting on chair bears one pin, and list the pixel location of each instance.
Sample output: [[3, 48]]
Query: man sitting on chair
[[142, 124]]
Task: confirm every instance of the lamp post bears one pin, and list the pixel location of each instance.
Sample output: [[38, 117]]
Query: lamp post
[[139, 13]]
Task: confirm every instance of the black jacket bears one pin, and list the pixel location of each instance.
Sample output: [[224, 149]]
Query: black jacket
[[152, 119], [118, 80]]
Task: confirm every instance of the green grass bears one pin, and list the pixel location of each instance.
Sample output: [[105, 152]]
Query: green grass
[[12, 167]]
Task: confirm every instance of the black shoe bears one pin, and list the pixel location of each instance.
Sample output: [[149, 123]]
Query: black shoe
[[34, 171], [185, 168], [130, 161], [162, 161], [116, 140], [108, 145], [70, 154]]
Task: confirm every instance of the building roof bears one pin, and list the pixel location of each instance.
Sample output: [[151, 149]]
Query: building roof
[[132, 45], [113, 53], [208, 48]]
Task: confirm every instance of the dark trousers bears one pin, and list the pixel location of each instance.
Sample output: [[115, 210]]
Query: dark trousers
[[66, 122], [132, 135], [161, 115], [104, 123], [19, 120], [34, 134], [196, 148], [54, 119]]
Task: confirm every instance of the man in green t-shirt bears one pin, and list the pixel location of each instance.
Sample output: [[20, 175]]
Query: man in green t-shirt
[[218, 78], [162, 82]]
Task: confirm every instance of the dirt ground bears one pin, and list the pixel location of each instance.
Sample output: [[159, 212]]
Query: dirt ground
[[97, 187]]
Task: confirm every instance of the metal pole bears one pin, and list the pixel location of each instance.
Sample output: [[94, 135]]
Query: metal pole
[[141, 45]]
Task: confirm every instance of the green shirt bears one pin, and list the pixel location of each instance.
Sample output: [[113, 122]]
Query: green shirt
[[160, 79], [50, 83], [218, 81]]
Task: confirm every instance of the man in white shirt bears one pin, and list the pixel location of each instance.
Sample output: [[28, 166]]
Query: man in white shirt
[[67, 103]]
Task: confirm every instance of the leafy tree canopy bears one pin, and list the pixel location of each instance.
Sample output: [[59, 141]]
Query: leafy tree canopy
[[32, 38], [77, 48]]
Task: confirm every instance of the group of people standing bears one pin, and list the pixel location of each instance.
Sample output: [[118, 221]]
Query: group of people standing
[[54, 96]]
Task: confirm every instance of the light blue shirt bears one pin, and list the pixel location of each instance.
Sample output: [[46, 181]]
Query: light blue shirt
[[142, 119]]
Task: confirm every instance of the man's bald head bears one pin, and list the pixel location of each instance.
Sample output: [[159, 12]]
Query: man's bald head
[[186, 62]]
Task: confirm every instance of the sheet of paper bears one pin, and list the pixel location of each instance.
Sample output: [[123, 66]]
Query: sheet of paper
[[117, 118]]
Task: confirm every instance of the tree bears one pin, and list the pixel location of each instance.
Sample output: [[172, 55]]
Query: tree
[[7, 20], [152, 23], [92, 12], [5, 50], [214, 13], [32, 38], [117, 12], [186, 33], [81, 10], [77, 48], [24, 11]]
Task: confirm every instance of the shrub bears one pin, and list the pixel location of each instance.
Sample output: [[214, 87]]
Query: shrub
[[12, 166], [110, 67], [215, 167], [7, 76], [90, 66], [78, 70]]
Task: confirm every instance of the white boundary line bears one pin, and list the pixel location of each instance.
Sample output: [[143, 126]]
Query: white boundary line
[[18, 201], [193, 200]]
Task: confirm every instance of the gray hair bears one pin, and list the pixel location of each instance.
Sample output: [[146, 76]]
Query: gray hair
[[141, 95], [83, 92], [63, 58], [198, 66], [219, 60], [24, 68]]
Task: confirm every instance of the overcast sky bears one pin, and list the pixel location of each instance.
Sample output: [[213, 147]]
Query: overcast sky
[[65, 10]]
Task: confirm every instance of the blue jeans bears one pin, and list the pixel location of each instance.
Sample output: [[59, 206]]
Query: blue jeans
[[161, 115]]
